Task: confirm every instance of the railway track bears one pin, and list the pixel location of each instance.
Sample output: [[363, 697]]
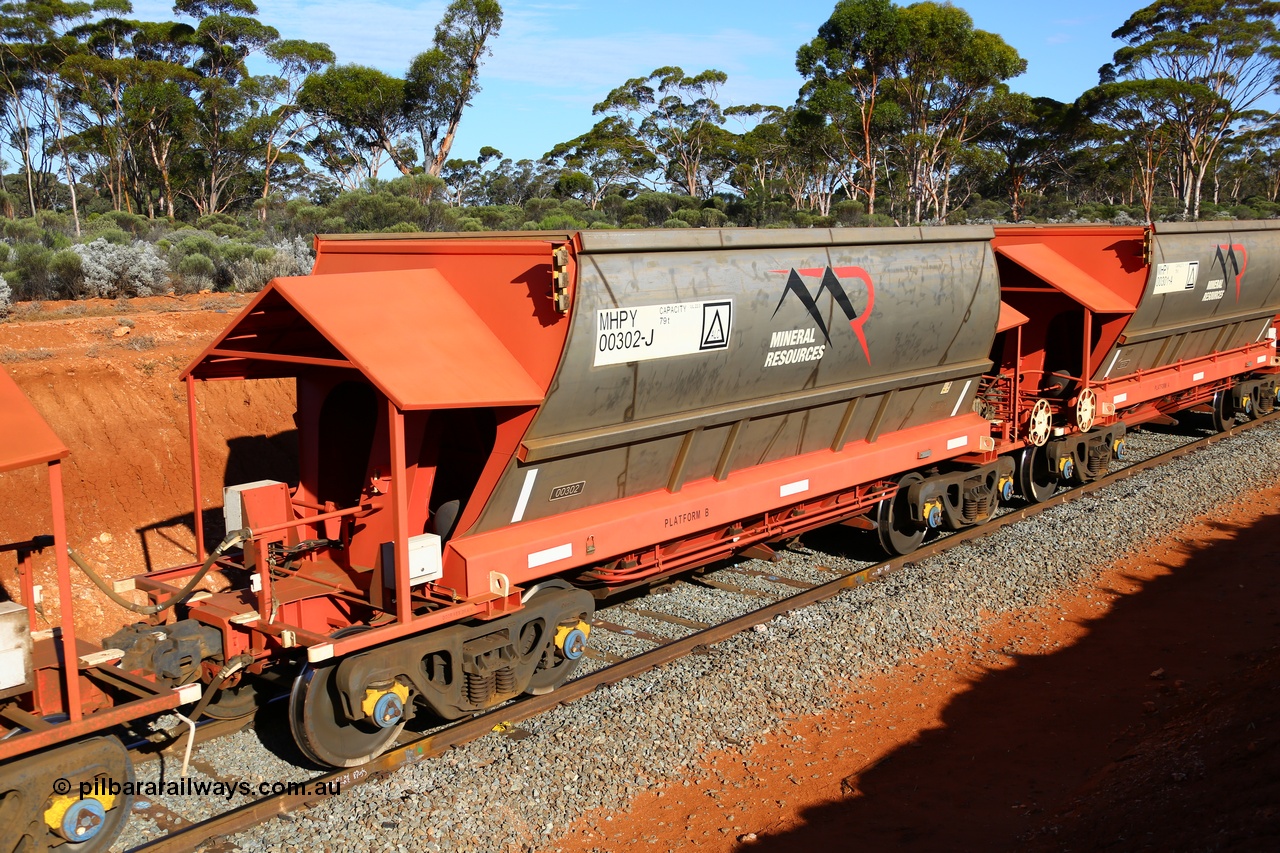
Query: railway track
[[635, 623]]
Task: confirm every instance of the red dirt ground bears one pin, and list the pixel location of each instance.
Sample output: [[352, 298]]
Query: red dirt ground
[[1138, 713], [105, 376]]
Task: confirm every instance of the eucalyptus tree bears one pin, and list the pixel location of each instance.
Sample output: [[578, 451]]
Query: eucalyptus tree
[[441, 82], [281, 124], [1245, 168], [1031, 137], [947, 69], [845, 68], [759, 153], [135, 107], [1134, 114], [465, 178], [788, 152], [360, 121], [223, 152], [605, 160], [35, 38], [675, 119], [1200, 69]]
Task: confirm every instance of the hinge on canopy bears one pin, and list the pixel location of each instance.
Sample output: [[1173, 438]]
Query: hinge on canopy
[[560, 278]]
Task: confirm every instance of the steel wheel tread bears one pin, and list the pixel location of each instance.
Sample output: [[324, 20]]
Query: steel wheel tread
[[897, 533], [319, 731], [1035, 480]]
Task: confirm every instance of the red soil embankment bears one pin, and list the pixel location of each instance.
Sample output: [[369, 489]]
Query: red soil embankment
[[105, 375]]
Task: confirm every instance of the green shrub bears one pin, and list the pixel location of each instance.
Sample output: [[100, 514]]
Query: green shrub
[[561, 222], [714, 218], [196, 265], [53, 221], [67, 270], [675, 223], [230, 253], [115, 236], [209, 220], [136, 225], [30, 272], [229, 231], [197, 244], [849, 212], [22, 230]]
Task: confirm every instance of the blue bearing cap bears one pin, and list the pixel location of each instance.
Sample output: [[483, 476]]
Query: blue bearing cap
[[388, 711], [575, 643], [83, 820]]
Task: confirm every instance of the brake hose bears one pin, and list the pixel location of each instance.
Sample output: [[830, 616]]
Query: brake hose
[[233, 539]]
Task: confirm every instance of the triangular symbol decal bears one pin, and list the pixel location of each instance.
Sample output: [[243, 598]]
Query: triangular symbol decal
[[717, 319], [715, 335]]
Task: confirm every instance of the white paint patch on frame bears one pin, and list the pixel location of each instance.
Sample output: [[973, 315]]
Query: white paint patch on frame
[[551, 555], [793, 488], [963, 392], [1112, 365], [525, 491]]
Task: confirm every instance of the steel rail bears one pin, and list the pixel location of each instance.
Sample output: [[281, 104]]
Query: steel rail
[[458, 734]]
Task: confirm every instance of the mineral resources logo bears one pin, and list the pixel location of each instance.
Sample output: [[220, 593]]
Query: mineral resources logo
[[1232, 259], [832, 282]]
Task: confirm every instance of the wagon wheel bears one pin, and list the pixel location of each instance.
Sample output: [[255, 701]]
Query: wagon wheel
[[1086, 409], [1039, 423], [40, 803], [559, 659], [899, 534], [322, 729], [1223, 413], [1036, 478]]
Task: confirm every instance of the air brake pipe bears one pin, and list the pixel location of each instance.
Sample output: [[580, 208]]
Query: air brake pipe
[[233, 539], [232, 666]]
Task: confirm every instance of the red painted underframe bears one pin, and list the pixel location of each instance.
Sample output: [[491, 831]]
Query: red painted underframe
[[1153, 384], [97, 721], [634, 524]]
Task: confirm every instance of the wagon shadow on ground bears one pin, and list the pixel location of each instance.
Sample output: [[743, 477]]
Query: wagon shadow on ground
[[249, 458], [1040, 755]]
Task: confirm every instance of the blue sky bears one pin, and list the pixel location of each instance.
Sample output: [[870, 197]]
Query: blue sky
[[554, 60]]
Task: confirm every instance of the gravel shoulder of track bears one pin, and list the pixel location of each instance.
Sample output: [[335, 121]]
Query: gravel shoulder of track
[[520, 792]]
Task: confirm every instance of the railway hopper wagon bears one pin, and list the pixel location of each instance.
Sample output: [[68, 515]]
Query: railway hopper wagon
[[490, 429], [1109, 328], [497, 430]]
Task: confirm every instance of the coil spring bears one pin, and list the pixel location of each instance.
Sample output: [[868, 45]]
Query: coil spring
[[1099, 459], [504, 681], [479, 687], [977, 503]]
